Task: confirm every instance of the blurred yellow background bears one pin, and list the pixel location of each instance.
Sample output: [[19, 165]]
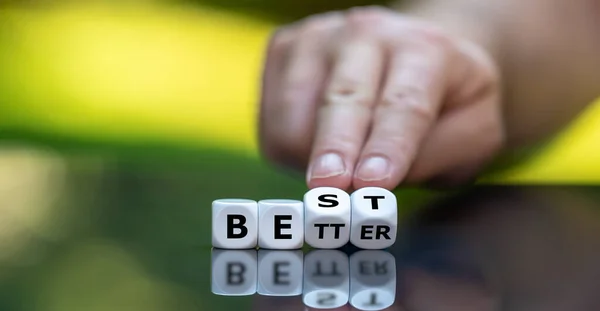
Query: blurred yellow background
[[184, 74], [99, 231]]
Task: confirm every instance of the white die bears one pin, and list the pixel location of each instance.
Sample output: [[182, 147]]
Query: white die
[[374, 218], [280, 273], [326, 218], [372, 280], [281, 224], [234, 223], [234, 272], [326, 279]]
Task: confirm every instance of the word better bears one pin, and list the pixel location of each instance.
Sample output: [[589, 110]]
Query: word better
[[327, 218]]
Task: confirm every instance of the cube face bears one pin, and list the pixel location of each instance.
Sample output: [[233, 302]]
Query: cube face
[[280, 272], [281, 224], [234, 224], [326, 218], [234, 272], [374, 218], [372, 280], [326, 279]]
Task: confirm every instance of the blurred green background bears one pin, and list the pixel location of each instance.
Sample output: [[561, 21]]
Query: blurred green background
[[120, 121]]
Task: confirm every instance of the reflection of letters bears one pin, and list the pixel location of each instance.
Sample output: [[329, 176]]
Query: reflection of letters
[[326, 279], [319, 271], [372, 280], [325, 299], [278, 274], [372, 267], [373, 301], [235, 273]]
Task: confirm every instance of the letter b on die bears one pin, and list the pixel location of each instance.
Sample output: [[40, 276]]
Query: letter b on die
[[234, 223]]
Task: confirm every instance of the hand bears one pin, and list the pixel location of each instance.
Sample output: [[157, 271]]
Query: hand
[[370, 97]]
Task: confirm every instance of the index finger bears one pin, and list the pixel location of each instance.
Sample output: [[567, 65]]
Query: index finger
[[344, 120]]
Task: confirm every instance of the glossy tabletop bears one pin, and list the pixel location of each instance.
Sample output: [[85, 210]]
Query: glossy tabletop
[[115, 230]]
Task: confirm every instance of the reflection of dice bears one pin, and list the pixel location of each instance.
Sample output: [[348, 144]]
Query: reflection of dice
[[280, 273], [326, 279], [374, 218], [327, 218], [234, 272], [372, 280], [281, 224], [234, 223]]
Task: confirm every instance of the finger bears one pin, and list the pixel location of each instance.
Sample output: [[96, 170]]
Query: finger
[[343, 122], [461, 143], [292, 117], [409, 105], [275, 56]]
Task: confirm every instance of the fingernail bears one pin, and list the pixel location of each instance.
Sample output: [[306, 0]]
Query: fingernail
[[374, 168], [328, 165]]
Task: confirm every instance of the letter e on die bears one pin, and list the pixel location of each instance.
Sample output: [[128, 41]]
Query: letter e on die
[[374, 218]]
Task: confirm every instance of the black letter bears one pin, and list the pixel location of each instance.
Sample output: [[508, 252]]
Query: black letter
[[324, 299], [332, 202], [278, 273], [381, 268], [337, 229], [374, 199], [382, 230], [373, 301], [321, 229], [240, 225], [364, 232], [364, 267], [239, 274], [278, 226], [334, 271]]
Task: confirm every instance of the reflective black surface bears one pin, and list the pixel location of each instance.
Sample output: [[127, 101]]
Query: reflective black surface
[[487, 248], [123, 230]]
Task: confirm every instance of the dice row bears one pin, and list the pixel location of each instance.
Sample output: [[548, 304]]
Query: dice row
[[326, 218], [325, 279]]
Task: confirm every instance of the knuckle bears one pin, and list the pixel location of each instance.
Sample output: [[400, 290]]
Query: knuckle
[[366, 18], [410, 101], [434, 36], [281, 39], [320, 25], [486, 67], [348, 95]]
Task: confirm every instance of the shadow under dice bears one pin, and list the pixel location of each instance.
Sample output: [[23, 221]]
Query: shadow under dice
[[326, 218], [326, 279], [372, 280], [234, 272], [374, 218]]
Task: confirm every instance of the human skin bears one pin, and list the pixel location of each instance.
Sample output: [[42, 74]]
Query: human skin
[[427, 91]]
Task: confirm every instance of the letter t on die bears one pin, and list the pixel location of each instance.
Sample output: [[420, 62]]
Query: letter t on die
[[326, 218]]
